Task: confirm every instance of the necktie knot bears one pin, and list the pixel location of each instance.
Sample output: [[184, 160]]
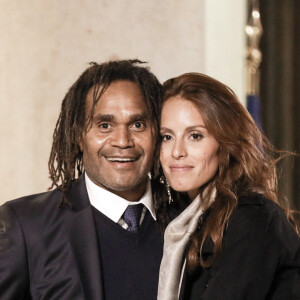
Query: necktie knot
[[132, 216]]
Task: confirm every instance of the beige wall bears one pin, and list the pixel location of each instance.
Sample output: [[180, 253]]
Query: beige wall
[[45, 45]]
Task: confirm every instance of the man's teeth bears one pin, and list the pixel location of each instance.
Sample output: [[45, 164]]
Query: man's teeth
[[120, 159]]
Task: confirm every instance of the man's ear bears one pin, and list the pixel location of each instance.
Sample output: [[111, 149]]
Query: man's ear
[[80, 146], [80, 142]]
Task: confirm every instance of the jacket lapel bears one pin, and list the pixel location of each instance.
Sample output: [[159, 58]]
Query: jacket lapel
[[83, 239]]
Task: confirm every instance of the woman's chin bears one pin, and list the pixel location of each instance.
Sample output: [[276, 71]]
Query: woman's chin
[[191, 191]]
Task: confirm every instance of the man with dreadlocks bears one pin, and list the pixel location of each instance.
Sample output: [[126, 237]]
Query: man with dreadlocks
[[96, 235]]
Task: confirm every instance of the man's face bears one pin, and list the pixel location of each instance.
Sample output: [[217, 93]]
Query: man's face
[[118, 146]]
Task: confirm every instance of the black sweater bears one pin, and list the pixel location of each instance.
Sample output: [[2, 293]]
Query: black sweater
[[130, 261]]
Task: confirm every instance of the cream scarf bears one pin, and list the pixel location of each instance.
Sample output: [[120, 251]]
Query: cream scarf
[[176, 237]]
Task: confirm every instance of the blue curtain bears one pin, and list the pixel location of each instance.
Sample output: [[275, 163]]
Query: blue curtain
[[253, 106]]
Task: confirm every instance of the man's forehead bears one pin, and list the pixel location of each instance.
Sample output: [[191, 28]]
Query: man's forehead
[[112, 108], [113, 87], [119, 95]]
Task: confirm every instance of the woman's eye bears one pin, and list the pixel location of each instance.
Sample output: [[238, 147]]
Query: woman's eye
[[196, 136], [166, 137]]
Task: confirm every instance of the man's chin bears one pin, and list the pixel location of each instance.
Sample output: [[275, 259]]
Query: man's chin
[[124, 187], [129, 189]]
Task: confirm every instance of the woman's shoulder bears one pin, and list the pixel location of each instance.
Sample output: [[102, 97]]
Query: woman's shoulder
[[261, 216], [254, 203], [255, 199]]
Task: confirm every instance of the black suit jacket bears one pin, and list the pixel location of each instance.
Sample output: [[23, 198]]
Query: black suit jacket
[[48, 252], [260, 257]]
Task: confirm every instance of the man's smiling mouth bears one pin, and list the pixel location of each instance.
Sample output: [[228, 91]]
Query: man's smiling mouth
[[122, 159]]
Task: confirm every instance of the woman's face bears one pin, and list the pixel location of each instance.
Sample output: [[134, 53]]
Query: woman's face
[[189, 153]]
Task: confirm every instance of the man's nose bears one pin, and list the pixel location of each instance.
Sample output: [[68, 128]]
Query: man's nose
[[122, 138], [179, 149]]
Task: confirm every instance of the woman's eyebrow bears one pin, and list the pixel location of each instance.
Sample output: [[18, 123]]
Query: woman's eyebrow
[[166, 129], [186, 129], [195, 127]]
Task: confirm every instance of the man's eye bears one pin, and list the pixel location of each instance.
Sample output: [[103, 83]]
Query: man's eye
[[105, 126], [139, 125]]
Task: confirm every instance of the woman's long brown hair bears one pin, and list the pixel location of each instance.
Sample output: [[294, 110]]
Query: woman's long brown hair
[[246, 158]]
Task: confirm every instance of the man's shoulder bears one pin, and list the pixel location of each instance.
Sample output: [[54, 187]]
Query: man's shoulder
[[34, 204], [39, 205]]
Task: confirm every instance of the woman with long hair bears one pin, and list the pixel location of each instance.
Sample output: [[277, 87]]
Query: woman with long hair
[[234, 240]]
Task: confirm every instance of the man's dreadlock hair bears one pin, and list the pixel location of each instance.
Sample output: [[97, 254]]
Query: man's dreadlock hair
[[65, 162]]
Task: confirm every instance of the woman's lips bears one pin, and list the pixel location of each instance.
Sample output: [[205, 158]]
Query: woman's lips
[[180, 168]]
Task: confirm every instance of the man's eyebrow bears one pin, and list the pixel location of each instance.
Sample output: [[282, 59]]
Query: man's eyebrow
[[111, 118], [103, 118], [139, 117]]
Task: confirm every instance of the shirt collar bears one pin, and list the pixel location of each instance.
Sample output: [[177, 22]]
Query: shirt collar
[[113, 206]]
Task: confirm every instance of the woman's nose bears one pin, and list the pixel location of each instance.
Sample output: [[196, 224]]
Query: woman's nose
[[179, 150]]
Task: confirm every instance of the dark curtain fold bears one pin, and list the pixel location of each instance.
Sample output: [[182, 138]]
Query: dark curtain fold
[[280, 87]]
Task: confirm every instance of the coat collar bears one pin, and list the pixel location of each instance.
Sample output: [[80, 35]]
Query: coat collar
[[251, 199], [83, 238]]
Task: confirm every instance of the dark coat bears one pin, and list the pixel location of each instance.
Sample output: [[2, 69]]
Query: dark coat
[[260, 257], [48, 252]]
